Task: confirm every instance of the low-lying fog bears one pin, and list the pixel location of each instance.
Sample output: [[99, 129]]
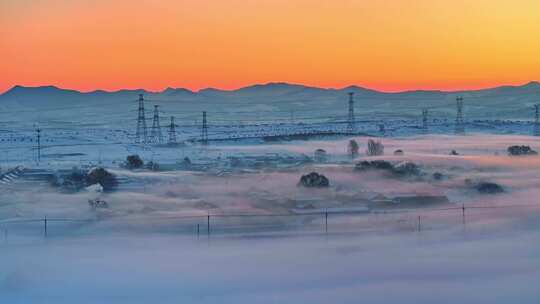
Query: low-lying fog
[[141, 249], [499, 266], [482, 159]]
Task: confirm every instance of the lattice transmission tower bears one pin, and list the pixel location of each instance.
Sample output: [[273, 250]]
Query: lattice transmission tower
[[156, 135], [460, 124], [536, 129], [141, 136], [204, 131], [172, 132], [425, 121], [351, 123], [38, 140]]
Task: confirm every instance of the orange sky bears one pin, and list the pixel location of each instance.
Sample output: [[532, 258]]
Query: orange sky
[[387, 44]]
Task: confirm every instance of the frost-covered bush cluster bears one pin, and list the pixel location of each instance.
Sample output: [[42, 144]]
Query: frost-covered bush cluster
[[78, 179], [520, 150], [103, 177], [401, 169], [373, 165], [314, 180], [489, 188], [134, 162]]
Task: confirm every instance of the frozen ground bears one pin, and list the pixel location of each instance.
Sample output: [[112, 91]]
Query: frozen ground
[[99, 127], [145, 247], [269, 188], [65, 144], [141, 249]]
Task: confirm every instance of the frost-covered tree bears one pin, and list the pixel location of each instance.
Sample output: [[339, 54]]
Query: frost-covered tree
[[103, 177], [353, 148], [374, 148], [134, 162]]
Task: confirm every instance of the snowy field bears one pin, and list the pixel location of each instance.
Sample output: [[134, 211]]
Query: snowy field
[[144, 247], [99, 127], [67, 144]]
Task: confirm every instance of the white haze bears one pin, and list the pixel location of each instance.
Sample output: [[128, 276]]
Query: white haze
[[127, 255]]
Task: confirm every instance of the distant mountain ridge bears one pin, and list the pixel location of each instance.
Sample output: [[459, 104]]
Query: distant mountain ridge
[[268, 89], [276, 98]]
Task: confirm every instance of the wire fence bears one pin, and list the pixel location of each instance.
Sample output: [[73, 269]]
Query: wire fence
[[318, 222]]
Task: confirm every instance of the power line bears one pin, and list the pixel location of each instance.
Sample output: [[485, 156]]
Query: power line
[[246, 213]]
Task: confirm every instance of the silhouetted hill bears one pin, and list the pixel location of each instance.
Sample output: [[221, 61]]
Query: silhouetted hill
[[515, 101]]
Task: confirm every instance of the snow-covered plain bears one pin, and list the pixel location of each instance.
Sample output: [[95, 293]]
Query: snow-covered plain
[[80, 128], [145, 246], [142, 250]]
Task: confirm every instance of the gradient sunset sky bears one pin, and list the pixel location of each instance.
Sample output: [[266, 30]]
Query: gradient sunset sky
[[389, 45]]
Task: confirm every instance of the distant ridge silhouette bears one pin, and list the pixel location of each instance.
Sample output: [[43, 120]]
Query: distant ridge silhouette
[[268, 89]]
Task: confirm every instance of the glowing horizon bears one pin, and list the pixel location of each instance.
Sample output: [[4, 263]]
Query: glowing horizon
[[388, 46]]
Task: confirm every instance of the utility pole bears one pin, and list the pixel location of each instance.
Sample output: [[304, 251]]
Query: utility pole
[[460, 125], [204, 133], [425, 121], [463, 212], [536, 130], [156, 135], [351, 124], [172, 132], [208, 224], [45, 227], [140, 136], [38, 135], [326, 221]]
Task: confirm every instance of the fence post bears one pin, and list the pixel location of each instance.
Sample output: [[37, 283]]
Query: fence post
[[463, 212], [419, 224], [326, 221], [45, 226], [208, 225], [198, 231]]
